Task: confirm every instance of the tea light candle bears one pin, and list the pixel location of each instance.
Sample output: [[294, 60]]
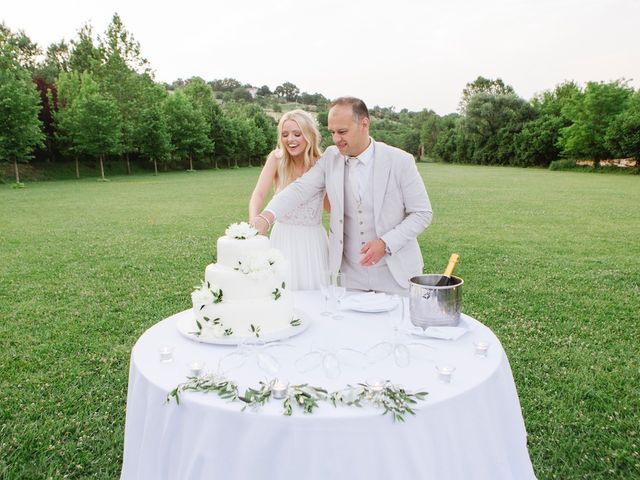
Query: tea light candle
[[376, 385], [195, 368], [481, 348], [279, 389], [444, 373], [166, 353]]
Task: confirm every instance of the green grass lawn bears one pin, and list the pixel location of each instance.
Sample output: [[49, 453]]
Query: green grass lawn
[[551, 262]]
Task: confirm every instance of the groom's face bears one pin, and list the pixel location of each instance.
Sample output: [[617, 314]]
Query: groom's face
[[350, 136]]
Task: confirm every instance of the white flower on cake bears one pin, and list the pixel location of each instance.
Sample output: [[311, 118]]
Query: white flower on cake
[[240, 231], [275, 258], [206, 294], [212, 331], [202, 296], [262, 265]]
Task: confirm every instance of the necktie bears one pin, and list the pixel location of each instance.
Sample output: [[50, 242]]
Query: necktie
[[353, 177]]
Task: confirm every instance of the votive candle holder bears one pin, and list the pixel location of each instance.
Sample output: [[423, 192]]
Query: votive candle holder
[[445, 373]]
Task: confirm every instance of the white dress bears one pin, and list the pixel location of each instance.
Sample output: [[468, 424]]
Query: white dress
[[303, 241]]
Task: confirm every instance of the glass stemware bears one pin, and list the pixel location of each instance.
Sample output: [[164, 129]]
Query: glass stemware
[[339, 290], [397, 318], [325, 290]]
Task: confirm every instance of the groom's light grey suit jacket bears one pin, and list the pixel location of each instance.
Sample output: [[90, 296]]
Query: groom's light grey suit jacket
[[401, 205]]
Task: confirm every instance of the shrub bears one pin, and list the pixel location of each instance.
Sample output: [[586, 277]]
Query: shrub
[[565, 164]]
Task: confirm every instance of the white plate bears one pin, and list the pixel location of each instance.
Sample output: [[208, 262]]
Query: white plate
[[186, 325], [369, 302], [374, 309]]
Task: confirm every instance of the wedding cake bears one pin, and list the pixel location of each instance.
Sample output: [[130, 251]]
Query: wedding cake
[[244, 294]]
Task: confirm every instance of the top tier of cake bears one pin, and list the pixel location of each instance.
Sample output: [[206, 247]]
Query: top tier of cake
[[232, 250]]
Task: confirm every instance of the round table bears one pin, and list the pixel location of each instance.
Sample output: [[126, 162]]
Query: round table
[[470, 428]]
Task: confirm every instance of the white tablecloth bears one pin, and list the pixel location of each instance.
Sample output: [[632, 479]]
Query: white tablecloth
[[471, 428]]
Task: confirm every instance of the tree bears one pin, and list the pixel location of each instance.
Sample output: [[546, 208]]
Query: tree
[[71, 88], [85, 56], [99, 128], [225, 85], [153, 136], [120, 44], [430, 128], [590, 114], [201, 96], [489, 127], [265, 132], [623, 133], [56, 61], [446, 146], [483, 85], [252, 134], [48, 102], [263, 91], [241, 94], [24, 52], [537, 143], [20, 128], [124, 76], [315, 99], [288, 91], [187, 128]]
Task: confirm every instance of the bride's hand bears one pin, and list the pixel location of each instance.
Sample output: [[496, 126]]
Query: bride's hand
[[261, 223]]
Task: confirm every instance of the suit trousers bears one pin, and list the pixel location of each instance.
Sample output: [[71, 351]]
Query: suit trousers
[[376, 278]]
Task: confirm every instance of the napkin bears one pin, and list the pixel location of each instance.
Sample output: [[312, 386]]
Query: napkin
[[368, 301], [443, 333]]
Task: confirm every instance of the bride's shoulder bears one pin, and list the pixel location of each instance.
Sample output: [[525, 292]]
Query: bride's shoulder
[[276, 156]]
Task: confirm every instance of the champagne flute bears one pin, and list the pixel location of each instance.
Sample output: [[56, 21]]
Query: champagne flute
[[339, 290], [397, 318], [325, 290], [401, 353]]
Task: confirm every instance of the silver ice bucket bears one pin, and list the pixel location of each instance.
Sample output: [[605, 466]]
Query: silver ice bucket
[[432, 306]]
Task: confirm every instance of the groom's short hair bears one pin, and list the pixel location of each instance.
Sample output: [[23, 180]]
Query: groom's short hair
[[358, 107]]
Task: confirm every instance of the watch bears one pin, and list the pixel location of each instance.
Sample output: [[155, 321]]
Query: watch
[[387, 250]]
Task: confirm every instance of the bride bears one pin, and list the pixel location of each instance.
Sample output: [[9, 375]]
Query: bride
[[300, 234]]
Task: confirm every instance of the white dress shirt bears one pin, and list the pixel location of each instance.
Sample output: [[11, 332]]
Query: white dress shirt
[[363, 167]]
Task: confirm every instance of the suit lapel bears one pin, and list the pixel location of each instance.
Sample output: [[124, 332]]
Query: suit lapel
[[338, 180], [381, 169]]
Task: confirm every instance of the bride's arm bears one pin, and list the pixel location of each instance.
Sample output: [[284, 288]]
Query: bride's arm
[[263, 185]]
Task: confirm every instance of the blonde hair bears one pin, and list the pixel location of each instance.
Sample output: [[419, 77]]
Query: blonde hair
[[285, 173]]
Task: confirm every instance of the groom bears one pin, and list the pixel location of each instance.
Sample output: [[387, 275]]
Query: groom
[[379, 204]]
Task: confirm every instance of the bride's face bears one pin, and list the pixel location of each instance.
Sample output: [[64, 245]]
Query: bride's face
[[293, 139]]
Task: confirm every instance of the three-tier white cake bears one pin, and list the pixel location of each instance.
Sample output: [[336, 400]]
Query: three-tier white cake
[[244, 294]]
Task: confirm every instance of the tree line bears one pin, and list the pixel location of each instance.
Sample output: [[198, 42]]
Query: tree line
[[495, 126], [95, 99]]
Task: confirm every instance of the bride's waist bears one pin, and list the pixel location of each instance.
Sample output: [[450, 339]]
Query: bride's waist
[[298, 223]]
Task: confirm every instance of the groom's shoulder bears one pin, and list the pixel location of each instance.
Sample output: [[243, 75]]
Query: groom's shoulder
[[391, 151]]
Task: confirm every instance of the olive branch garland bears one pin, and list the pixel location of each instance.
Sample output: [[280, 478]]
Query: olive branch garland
[[390, 398]]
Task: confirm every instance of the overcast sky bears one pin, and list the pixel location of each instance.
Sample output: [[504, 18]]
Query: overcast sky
[[411, 54]]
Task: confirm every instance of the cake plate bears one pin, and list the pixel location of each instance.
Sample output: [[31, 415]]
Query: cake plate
[[186, 325]]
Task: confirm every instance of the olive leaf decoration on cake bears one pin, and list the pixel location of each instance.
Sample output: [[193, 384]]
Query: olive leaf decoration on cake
[[255, 329], [215, 321], [296, 322]]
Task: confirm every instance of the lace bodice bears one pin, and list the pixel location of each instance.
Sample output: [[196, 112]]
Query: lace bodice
[[308, 213]]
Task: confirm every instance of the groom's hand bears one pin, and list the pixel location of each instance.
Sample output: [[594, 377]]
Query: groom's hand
[[373, 251]]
